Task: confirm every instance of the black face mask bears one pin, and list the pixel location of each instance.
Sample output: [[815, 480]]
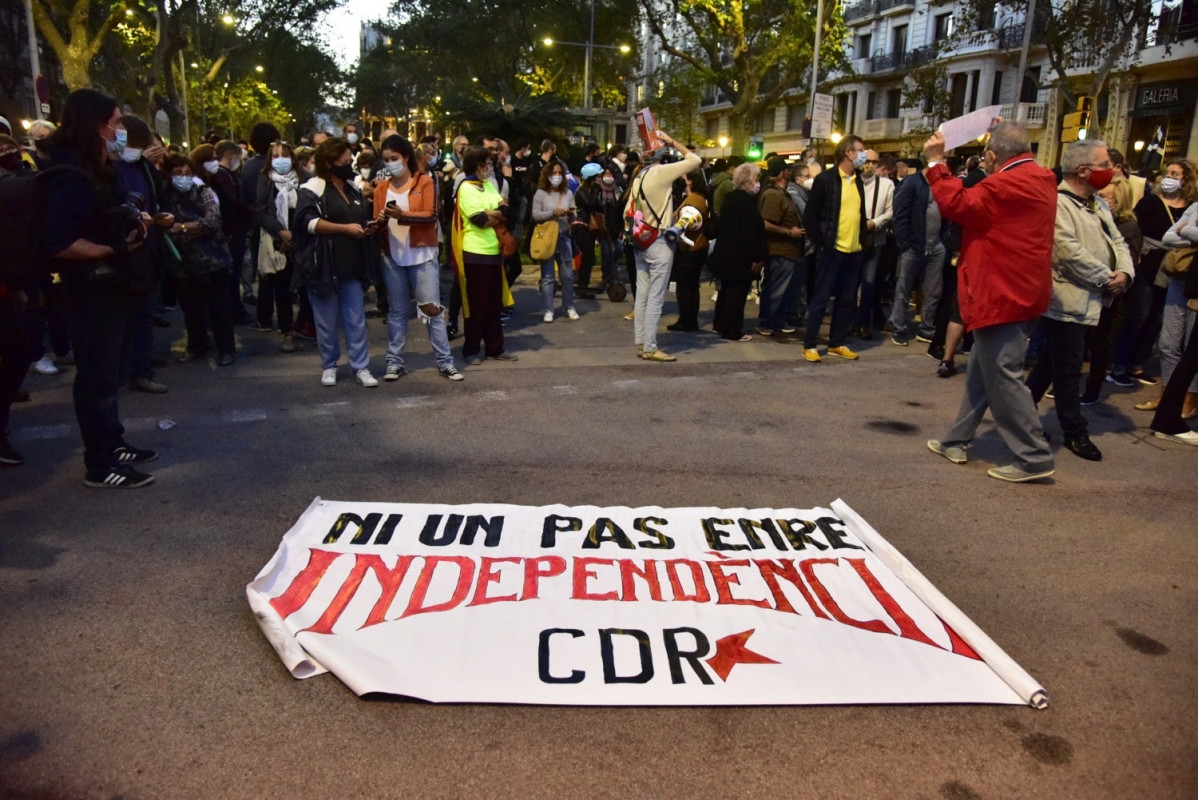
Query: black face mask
[[11, 161], [343, 171]]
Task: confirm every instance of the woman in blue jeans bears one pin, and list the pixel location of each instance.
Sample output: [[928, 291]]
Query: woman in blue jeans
[[406, 204], [555, 201], [329, 229]]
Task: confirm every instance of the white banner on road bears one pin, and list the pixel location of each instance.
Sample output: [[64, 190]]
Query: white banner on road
[[580, 605]]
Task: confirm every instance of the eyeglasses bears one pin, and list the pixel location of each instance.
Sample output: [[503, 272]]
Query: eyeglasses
[[1107, 165], [871, 161]]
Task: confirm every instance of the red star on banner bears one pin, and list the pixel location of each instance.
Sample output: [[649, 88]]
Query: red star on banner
[[731, 650]]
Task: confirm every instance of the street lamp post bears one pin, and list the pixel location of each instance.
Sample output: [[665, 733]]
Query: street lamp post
[[590, 46]]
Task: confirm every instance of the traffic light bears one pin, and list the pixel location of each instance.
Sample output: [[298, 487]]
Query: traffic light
[[1077, 124], [756, 148]]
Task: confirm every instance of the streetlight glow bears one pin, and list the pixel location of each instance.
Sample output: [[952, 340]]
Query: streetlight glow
[[228, 19], [1139, 145], [836, 137], [548, 42], [723, 141], [258, 68]]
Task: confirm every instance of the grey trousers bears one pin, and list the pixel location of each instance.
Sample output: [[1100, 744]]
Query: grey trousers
[[928, 271], [994, 380]]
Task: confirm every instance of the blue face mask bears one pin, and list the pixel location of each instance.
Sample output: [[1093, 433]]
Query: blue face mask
[[859, 160], [182, 183], [122, 136], [281, 165]]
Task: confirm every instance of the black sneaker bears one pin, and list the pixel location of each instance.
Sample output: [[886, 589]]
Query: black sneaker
[[123, 477], [947, 369], [936, 352], [451, 372], [8, 456], [919, 337], [900, 339], [1090, 399], [1143, 379], [133, 455], [1121, 379]]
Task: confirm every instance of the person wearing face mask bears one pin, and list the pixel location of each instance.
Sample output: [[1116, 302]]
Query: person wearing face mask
[[1101, 339], [1145, 303], [214, 163], [1177, 402], [204, 271], [918, 235], [1091, 265], [477, 256], [555, 201], [277, 199], [1005, 278], [39, 131], [835, 222], [261, 136], [90, 242], [784, 237], [141, 181], [406, 204], [330, 228], [740, 252], [352, 137], [604, 198], [1178, 317]]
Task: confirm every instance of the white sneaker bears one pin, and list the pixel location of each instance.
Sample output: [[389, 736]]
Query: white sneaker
[[715, 295], [1189, 437], [548, 317], [45, 366], [571, 314], [364, 377], [328, 377]]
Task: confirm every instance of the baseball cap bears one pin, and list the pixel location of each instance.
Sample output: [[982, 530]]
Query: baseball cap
[[775, 166]]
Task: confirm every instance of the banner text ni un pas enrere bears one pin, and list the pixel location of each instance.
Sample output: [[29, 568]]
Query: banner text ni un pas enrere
[[616, 606]]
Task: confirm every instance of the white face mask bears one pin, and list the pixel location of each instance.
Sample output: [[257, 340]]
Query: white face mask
[[1170, 185], [352, 138], [808, 183], [131, 154], [235, 164], [555, 180], [608, 180], [182, 183], [212, 167], [365, 173], [394, 168]]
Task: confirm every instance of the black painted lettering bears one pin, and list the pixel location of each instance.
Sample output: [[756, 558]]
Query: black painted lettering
[[575, 676], [555, 524], [660, 541], [799, 536], [609, 661], [476, 522], [677, 655], [715, 536], [835, 535], [605, 530]]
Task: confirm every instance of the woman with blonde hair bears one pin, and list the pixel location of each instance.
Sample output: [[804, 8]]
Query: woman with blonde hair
[[1101, 338], [740, 252]]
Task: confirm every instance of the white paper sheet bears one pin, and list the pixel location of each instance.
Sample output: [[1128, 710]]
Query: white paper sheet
[[969, 127]]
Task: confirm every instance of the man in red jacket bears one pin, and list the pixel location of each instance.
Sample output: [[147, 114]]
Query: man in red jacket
[[1004, 285]]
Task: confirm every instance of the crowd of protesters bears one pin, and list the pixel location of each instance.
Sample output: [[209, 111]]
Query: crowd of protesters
[[996, 257]]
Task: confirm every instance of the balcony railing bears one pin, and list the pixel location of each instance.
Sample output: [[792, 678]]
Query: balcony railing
[[874, 130], [1168, 28], [907, 60], [860, 11], [920, 122], [887, 7]]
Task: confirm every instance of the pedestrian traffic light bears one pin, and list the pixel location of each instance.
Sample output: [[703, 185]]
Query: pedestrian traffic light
[[756, 148], [1077, 124]]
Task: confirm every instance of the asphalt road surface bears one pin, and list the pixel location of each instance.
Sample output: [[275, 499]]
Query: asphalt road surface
[[131, 666]]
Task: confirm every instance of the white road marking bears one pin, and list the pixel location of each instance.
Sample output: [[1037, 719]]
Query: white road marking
[[565, 390], [43, 432], [632, 384], [497, 394], [244, 415], [415, 401]]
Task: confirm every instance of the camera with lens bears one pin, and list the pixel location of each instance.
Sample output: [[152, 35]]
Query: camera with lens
[[125, 223]]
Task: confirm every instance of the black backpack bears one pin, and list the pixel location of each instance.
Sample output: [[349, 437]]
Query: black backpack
[[23, 197]]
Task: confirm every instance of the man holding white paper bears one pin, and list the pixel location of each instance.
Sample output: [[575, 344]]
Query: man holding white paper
[[1005, 284]]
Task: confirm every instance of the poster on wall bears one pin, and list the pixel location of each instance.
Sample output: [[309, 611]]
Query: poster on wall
[[581, 605]]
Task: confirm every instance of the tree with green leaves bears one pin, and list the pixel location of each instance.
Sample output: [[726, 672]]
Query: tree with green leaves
[[454, 50], [753, 51], [76, 30], [677, 100], [511, 114]]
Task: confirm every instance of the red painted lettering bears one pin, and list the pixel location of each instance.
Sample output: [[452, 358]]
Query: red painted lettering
[[537, 568], [488, 575], [465, 578], [584, 573]]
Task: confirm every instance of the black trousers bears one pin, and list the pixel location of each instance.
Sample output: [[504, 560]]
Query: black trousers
[[102, 315], [1168, 414], [729, 320], [484, 290], [205, 299], [1061, 366], [17, 352], [274, 292], [1102, 344], [688, 266]]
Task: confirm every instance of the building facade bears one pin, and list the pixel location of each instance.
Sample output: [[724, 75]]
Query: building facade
[[892, 42]]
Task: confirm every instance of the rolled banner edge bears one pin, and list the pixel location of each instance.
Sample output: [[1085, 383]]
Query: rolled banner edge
[[1015, 676]]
